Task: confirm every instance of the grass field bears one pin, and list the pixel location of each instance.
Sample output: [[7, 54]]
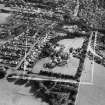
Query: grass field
[[68, 69], [93, 94], [11, 94], [73, 63], [4, 18], [75, 43], [87, 71]]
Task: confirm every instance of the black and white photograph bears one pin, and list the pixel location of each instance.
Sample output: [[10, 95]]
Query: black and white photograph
[[52, 52]]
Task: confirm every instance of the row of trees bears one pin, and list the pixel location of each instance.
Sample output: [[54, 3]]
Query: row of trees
[[57, 75]]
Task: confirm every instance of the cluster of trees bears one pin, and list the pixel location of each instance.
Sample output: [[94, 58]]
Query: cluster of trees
[[83, 54], [101, 3], [61, 87], [2, 72], [96, 59]]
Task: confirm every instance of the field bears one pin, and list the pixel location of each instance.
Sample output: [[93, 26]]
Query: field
[[93, 94], [68, 69], [63, 34], [11, 94], [87, 72], [3, 17], [73, 63]]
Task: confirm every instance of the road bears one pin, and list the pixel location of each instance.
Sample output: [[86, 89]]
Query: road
[[39, 41], [92, 50], [92, 93]]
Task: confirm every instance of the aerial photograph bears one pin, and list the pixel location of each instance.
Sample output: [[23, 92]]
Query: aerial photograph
[[52, 52]]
